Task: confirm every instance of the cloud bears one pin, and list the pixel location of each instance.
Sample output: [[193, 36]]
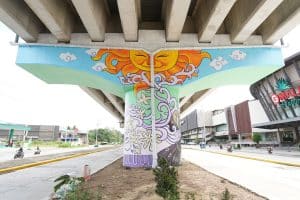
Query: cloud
[[92, 52], [99, 67], [67, 57], [238, 55], [218, 63]]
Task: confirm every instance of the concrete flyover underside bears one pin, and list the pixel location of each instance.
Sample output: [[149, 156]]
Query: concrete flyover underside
[[150, 25]]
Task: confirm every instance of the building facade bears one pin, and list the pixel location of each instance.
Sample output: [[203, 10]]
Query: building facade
[[44, 132], [233, 124], [196, 127], [279, 94]]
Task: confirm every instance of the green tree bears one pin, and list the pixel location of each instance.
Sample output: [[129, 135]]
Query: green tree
[[256, 138], [105, 135]]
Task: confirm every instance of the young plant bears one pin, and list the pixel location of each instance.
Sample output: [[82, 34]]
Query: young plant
[[66, 184], [190, 196], [166, 180], [226, 195]]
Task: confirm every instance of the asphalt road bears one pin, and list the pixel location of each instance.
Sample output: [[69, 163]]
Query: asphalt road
[[276, 182], [37, 183]]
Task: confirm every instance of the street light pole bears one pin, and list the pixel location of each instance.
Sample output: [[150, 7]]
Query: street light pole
[[97, 137]]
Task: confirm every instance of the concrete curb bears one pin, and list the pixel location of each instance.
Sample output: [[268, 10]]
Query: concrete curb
[[44, 162], [252, 158]]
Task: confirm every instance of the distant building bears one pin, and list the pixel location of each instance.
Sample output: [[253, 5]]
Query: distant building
[[74, 135], [196, 126], [232, 124], [44, 132]]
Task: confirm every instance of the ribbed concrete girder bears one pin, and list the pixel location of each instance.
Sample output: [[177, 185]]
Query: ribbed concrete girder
[[129, 15], [193, 100], [281, 21], [176, 12], [17, 16], [101, 98], [94, 16], [246, 16], [56, 15], [208, 17]]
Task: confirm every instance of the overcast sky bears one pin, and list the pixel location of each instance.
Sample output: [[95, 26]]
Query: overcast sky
[[27, 100]]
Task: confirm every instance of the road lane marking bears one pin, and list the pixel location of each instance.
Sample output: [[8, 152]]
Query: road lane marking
[[44, 162]]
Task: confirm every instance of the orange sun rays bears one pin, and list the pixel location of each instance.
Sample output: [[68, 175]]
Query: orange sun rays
[[166, 62]]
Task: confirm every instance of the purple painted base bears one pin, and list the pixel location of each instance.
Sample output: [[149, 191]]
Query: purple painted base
[[137, 160]]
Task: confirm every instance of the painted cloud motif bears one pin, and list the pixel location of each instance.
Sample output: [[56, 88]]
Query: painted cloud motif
[[238, 55], [218, 63], [92, 52], [67, 57], [99, 67]]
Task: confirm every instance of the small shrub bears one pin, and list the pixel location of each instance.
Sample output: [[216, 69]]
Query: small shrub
[[72, 188], [189, 196], [64, 145], [81, 193], [166, 180], [226, 195]]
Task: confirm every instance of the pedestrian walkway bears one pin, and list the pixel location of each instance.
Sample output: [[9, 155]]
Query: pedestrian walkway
[[273, 181], [278, 155]]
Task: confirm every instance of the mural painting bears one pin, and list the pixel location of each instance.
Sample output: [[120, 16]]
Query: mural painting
[[126, 74], [171, 67]]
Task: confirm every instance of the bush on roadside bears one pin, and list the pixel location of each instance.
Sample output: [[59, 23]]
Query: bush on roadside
[[166, 180], [82, 193], [65, 145], [190, 196], [73, 188], [226, 195]]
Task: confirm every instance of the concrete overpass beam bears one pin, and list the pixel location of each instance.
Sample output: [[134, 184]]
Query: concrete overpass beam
[[100, 98], [246, 16], [93, 14], [281, 21], [17, 16], [56, 15], [113, 99], [176, 12], [209, 16], [129, 14]]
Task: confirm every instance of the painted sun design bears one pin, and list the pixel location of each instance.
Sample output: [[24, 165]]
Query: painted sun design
[[137, 62]]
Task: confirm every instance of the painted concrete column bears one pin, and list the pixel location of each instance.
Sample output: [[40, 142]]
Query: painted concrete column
[[138, 151]]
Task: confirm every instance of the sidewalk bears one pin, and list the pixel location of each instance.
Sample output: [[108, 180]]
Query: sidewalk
[[273, 181], [278, 155]]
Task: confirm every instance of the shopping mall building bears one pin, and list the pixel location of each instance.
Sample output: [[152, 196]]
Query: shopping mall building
[[274, 114], [279, 95]]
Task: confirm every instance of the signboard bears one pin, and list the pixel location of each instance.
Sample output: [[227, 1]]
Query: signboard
[[288, 95]]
